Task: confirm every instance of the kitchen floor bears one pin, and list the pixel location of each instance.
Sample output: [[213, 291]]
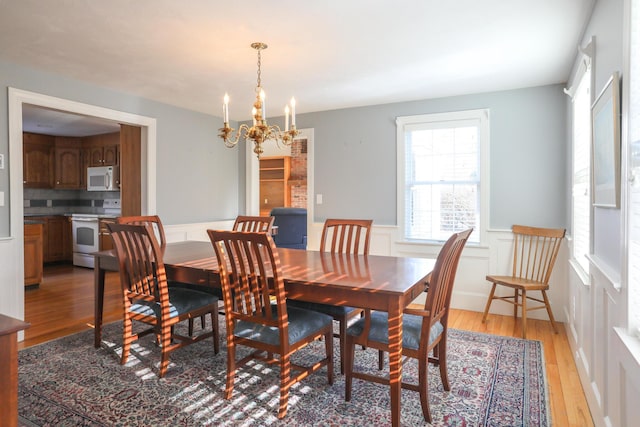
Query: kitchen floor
[[63, 303]]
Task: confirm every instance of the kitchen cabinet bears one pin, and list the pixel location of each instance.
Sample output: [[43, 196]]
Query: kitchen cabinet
[[68, 163], [274, 183], [37, 160], [106, 241], [58, 243], [33, 253], [103, 149], [103, 156]]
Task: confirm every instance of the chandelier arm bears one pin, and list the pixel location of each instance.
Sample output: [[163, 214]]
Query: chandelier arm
[[229, 139]]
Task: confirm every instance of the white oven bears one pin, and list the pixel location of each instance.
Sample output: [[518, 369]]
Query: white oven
[[86, 238], [86, 232]]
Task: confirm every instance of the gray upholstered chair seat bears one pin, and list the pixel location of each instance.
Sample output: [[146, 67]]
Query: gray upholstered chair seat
[[181, 300], [201, 288], [411, 329], [331, 310], [302, 323]]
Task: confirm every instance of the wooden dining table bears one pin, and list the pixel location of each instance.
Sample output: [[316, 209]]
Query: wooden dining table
[[384, 283]]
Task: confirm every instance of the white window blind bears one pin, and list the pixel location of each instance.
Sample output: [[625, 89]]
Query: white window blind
[[634, 167], [581, 197], [442, 180]]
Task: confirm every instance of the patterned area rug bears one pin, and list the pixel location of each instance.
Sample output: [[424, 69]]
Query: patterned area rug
[[496, 381]]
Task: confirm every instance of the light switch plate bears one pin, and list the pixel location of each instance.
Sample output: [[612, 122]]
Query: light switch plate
[[1, 198], [1, 161]]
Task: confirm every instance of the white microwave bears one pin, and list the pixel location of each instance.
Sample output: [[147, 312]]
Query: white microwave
[[103, 178]]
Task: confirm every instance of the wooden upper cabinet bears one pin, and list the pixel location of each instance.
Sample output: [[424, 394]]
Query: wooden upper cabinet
[[110, 155], [68, 163], [103, 149], [37, 160]]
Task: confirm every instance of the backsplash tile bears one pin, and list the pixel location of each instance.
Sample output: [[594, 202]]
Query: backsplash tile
[[61, 202]]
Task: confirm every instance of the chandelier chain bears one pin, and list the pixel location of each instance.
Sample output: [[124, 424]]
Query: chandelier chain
[[259, 69]]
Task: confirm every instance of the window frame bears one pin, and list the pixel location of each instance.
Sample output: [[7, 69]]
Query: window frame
[[403, 124], [584, 76]]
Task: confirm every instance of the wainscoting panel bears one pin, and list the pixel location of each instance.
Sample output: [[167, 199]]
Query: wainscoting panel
[[12, 279], [198, 231], [607, 358]]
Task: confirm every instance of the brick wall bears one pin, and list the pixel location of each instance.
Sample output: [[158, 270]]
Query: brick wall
[[298, 178]]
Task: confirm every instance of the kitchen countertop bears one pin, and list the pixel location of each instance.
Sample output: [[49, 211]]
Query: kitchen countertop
[[32, 221]]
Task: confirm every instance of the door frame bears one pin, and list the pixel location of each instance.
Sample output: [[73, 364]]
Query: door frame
[[17, 98], [253, 177]]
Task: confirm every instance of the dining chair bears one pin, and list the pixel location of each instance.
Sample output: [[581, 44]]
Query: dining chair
[[149, 299], [158, 229], [153, 220], [535, 250], [424, 330], [344, 236], [253, 223], [250, 274]]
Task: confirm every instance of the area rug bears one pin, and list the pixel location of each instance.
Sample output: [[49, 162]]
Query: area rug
[[495, 381]]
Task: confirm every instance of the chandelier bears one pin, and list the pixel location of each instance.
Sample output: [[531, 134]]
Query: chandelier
[[260, 131]]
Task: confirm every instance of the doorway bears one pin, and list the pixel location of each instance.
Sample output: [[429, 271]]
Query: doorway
[[254, 199], [17, 99]]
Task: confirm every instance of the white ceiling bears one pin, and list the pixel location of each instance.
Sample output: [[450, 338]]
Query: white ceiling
[[329, 54]]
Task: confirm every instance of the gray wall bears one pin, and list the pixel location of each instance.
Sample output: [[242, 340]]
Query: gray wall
[[355, 156], [196, 175]]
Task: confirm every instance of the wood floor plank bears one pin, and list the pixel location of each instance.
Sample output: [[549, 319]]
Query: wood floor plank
[[63, 305]]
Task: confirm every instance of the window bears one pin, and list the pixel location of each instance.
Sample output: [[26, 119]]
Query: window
[[442, 161], [581, 181]]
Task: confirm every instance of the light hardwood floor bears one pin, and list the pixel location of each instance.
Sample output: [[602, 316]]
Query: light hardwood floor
[[63, 305]]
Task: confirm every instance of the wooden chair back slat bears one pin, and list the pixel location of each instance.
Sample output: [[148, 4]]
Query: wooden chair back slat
[[346, 236], [153, 220], [535, 252], [441, 282], [249, 273], [254, 223], [142, 272]]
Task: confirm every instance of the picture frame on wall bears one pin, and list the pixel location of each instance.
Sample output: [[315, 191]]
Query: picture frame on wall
[[605, 152]]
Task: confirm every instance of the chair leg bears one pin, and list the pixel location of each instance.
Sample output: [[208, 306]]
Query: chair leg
[[423, 371], [231, 368], [126, 340], [216, 331], [524, 313], [190, 327], [380, 360], [328, 347], [348, 361], [343, 333], [442, 362], [203, 322], [516, 295], [488, 305], [285, 384], [546, 303], [165, 342]]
